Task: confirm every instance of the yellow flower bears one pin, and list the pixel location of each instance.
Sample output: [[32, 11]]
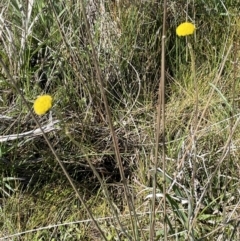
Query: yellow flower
[[185, 29], [42, 104]]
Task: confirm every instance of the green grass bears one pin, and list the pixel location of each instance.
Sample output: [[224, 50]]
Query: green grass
[[51, 53]]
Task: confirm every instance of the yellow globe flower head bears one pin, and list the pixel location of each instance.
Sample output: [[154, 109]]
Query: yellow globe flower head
[[42, 104], [185, 29]]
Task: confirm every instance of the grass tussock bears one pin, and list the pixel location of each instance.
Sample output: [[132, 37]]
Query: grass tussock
[[46, 49]]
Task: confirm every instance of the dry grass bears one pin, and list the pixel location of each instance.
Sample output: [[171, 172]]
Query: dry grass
[[54, 56]]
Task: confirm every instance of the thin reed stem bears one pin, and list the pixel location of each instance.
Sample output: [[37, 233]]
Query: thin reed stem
[[194, 144], [160, 128]]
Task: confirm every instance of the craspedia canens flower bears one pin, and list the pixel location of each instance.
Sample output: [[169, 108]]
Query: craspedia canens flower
[[42, 104], [185, 29]]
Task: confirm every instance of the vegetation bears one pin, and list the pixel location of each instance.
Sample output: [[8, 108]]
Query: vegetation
[[88, 169]]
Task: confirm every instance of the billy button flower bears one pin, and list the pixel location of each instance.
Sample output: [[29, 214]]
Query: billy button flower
[[185, 29], [42, 104]]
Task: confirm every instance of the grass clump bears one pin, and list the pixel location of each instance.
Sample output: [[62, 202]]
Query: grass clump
[[103, 75]]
